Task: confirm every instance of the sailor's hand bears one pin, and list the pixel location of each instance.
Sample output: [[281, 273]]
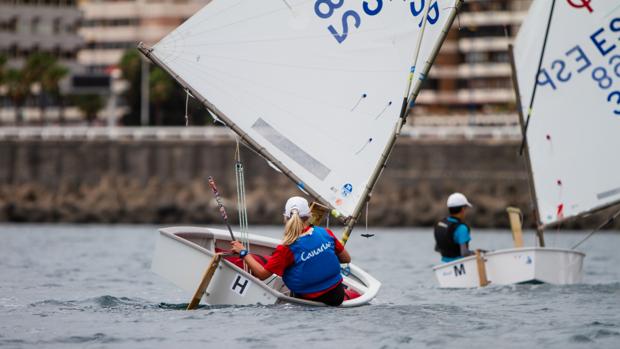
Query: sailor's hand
[[236, 246]]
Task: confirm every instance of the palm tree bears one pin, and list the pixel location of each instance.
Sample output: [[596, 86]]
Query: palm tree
[[2, 68], [50, 85], [18, 89], [43, 69], [130, 66], [89, 104], [160, 90]]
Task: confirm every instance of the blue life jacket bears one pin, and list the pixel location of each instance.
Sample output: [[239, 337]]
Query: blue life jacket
[[316, 267]]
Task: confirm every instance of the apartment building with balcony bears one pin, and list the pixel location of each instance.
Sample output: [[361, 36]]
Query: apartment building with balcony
[[110, 27], [38, 26], [28, 26], [471, 77]]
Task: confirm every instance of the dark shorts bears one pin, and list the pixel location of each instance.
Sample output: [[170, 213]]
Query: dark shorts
[[333, 297]]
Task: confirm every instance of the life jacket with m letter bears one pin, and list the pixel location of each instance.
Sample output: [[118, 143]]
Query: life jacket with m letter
[[316, 266], [444, 237]]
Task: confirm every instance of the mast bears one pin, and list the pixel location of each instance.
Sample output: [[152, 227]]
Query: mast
[[400, 123], [530, 181]]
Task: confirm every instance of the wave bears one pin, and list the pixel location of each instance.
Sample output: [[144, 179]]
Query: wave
[[102, 302]]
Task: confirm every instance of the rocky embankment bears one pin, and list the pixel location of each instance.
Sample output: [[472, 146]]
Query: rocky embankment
[[164, 182]]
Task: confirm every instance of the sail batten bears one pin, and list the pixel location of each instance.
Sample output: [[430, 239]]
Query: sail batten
[[322, 108], [575, 118]]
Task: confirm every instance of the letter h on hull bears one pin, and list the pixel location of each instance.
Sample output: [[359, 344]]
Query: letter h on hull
[[240, 285]]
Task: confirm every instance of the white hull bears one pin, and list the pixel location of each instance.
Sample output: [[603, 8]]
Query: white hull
[[515, 266], [183, 253]]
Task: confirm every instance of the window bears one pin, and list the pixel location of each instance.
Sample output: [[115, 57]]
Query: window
[[56, 26], [34, 25]]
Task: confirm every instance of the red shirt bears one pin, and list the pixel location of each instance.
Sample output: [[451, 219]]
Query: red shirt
[[283, 258]]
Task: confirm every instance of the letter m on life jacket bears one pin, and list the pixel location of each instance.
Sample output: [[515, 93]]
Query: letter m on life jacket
[[459, 269]]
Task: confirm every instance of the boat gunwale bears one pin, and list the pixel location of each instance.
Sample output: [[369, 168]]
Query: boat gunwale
[[505, 251]]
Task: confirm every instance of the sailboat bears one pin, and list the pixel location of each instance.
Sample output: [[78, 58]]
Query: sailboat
[[321, 90], [566, 73]]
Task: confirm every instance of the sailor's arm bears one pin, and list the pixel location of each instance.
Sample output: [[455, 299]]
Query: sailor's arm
[[462, 237], [465, 251], [257, 269], [344, 256]]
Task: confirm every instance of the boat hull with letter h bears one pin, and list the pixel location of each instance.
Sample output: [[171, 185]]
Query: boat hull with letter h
[[183, 253]]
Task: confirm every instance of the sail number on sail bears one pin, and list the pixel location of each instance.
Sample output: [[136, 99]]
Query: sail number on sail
[[583, 59], [326, 8]]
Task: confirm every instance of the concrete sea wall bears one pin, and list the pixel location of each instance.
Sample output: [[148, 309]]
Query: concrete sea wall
[[164, 182]]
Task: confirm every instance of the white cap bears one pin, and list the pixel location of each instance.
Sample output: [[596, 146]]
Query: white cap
[[299, 204], [458, 200]]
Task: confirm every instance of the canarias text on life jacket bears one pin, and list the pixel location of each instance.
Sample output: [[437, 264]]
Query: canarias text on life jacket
[[325, 246]]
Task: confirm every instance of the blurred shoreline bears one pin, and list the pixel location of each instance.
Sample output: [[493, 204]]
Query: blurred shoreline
[[163, 181]]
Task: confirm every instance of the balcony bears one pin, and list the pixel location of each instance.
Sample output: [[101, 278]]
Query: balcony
[[499, 18], [467, 96]]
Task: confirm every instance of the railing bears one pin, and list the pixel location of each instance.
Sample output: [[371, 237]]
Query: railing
[[114, 133], [507, 132]]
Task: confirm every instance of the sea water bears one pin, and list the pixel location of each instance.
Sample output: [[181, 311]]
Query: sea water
[[75, 286]]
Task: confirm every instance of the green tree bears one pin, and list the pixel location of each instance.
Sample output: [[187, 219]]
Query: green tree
[[89, 104], [44, 69], [2, 68], [18, 90], [50, 85], [167, 97], [161, 87], [130, 66]]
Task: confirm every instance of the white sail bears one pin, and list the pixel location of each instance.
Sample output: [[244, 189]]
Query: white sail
[[317, 84], [574, 130]]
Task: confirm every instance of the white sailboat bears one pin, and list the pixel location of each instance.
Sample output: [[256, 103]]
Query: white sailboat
[[320, 89], [566, 69]]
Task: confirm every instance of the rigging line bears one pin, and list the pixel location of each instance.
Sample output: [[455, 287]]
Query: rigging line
[[414, 62], [327, 220], [359, 101], [384, 109], [288, 5], [241, 199], [540, 61], [186, 107], [366, 218], [364, 146], [603, 225], [612, 11]]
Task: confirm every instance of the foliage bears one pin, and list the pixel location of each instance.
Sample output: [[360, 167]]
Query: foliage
[[89, 104], [2, 68], [18, 89], [166, 96], [161, 87], [41, 68]]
